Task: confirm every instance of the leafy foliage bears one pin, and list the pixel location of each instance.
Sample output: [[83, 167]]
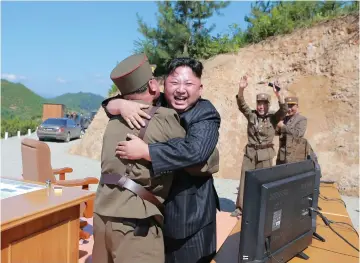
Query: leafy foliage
[[181, 26], [180, 31], [282, 17], [113, 89], [12, 126]]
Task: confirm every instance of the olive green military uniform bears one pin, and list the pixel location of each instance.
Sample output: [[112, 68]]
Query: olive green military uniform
[[119, 212], [291, 147], [259, 151]]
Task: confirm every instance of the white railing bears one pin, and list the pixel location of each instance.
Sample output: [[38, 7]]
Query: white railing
[[6, 136]]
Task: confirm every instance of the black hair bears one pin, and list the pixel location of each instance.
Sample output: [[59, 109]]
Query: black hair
[[195, 65], [140, 90]]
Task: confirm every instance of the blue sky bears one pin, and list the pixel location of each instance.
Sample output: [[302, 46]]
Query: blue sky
[[59, 47]]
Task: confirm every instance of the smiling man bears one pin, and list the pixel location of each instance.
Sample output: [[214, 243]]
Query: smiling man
[[190, 209], [292, 127], [259, 151]]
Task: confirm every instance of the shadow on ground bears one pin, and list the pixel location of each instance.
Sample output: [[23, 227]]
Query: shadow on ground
[[226, 205]]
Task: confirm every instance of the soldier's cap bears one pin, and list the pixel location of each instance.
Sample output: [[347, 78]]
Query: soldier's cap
[[132, 73], [291, 100], [263, 97]]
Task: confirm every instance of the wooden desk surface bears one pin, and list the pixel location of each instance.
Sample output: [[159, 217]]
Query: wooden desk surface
[[334, 250], [19, 209]]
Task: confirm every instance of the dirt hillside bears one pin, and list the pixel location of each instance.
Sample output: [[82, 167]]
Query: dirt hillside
[[325, 77]]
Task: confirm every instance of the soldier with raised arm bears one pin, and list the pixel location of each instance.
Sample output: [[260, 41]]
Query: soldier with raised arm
[[259, 151]]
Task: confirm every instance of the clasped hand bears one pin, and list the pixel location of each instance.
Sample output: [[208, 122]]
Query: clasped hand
[[134, 149]]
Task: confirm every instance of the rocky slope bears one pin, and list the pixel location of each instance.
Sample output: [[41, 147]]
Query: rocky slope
[[324, 77]]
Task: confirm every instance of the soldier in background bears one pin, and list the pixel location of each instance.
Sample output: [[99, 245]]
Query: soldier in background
[[259, 151], [290, 130]]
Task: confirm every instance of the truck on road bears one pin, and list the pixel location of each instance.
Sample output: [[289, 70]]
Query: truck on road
[[53, 110]]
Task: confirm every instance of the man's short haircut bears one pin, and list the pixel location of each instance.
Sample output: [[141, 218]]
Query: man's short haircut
[[195, 65], [140, 90]]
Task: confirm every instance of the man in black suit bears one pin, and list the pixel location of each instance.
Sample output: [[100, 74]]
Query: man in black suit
[[190, 210]]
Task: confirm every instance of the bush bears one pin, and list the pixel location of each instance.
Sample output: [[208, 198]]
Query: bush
[[12, 126]]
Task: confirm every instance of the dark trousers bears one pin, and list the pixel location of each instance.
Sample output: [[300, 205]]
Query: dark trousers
[[198, 248]]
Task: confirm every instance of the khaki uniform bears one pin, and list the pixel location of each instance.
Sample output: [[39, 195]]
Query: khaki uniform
[[259, 151], [113, 205], [291, 147], [294, 128]]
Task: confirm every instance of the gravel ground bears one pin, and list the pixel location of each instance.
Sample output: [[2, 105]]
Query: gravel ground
[[85, 167]]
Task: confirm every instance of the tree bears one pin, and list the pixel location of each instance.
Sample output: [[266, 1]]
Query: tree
[[113, 89], [181, 31], [281, 17]]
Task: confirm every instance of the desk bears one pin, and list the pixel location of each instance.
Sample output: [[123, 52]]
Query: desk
[[334, 250], [41, 225]]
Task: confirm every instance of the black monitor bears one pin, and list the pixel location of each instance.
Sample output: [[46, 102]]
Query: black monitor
[[277, 223]]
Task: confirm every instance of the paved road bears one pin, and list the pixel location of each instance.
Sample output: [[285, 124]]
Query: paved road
[[11, 166]]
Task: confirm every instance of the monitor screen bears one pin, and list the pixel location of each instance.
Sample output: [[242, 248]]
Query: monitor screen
[[276, 221]]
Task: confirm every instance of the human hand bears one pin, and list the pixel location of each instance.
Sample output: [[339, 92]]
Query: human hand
[[243, 82], [134, 149], [276, 83], [280, 124], [132, 112]]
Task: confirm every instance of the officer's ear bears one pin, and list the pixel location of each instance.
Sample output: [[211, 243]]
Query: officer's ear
[[153, 85], [201, 88]]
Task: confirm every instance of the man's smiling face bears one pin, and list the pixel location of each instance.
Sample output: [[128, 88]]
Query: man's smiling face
[[182, 89]]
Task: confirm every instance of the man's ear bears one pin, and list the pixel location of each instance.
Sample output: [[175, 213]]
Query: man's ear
[[153, 85], [201, 88]]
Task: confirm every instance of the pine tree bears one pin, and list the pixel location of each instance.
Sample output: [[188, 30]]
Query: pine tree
[[180, 30]]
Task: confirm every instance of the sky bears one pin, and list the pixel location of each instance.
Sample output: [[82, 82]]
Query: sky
[[59, 47]]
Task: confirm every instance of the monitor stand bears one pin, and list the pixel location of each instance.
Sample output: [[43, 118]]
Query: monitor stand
[[316, 235], [320, 238], [302, 255]]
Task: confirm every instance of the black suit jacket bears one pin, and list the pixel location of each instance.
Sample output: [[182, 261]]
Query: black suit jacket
[[193, 200]]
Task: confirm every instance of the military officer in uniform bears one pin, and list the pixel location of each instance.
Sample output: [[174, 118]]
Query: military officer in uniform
[[290, 130], [259, 151], [128, 212]]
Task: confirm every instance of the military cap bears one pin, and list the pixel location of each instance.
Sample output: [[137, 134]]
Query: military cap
[[263, 96], [132, 73], [291, 100]]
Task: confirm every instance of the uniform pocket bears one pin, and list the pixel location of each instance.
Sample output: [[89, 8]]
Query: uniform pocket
[[120, 227], [265, 154]]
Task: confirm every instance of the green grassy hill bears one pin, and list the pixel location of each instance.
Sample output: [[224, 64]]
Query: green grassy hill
[[79, 102], [18, 101]]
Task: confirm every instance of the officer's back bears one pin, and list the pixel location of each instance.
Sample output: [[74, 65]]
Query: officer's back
[[126, 218]]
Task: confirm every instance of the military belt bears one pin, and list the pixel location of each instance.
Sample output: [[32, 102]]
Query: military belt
[[260, 146], [125, 182]]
